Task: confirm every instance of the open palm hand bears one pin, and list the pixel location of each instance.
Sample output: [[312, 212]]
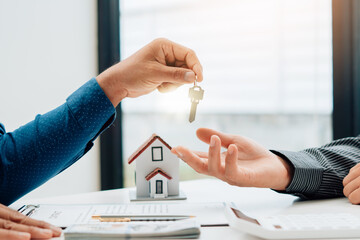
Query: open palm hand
[[245, 163]]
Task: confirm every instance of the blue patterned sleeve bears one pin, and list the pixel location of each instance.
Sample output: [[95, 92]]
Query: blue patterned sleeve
[[319, 172], [39, 150]]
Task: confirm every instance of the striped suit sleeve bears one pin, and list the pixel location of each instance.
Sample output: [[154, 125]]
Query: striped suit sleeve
[[318, 172]]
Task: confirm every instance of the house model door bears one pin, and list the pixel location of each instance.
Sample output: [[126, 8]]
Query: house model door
[[159, 186]]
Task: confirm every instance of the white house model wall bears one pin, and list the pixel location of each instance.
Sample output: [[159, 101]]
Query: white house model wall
[[156, 155]]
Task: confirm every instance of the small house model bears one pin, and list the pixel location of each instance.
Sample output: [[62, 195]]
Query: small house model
[[157, 169]]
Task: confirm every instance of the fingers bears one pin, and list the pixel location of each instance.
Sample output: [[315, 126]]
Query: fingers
[[189, 57], [178, 55], [353, 173], [204, 134], [352, 185], [231, 167], [175, 75], [201, 154], [197, 163], [352, 190], [215, 167], [354, 197], [14, 235], [210, 164], [168, 87], [34, 232], [16, 217]]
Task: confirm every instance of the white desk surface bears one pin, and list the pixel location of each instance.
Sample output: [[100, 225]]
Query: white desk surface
[[250, 200]]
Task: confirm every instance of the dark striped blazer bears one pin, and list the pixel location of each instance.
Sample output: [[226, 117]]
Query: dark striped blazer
[[318, 172]]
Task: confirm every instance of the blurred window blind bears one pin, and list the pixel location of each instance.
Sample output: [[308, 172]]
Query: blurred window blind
[[267, 72], [259, 56]]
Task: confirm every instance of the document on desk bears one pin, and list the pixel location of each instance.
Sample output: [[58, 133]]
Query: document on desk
[[208, 214]]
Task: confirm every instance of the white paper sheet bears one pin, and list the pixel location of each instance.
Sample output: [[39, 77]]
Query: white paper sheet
[[188, 228], [65, 215]]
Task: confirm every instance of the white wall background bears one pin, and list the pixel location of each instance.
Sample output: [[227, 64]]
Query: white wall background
[[47, 50]]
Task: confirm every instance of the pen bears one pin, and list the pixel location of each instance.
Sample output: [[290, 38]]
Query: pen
[[26, 207], [23, 206], [131, 218], [30, 212]]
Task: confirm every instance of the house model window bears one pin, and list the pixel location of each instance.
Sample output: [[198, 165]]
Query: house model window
[[157, 153]]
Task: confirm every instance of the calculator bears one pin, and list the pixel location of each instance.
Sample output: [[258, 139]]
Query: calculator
[[296, 226]]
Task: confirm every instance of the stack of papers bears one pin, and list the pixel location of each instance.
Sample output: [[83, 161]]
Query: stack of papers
[[208, 214], [188, 228]]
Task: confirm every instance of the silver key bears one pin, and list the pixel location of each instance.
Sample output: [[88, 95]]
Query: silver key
[[196, 93]]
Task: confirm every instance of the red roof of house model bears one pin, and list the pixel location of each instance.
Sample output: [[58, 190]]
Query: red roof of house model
[[146, 144], [155, 172]]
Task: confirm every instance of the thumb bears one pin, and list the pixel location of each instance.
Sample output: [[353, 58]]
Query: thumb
[[177, 75]]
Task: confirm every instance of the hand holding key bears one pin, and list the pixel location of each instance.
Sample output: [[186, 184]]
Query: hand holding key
[[196, 93], [162, 65]]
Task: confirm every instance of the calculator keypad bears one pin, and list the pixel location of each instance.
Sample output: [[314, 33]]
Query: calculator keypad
[[315, 221]]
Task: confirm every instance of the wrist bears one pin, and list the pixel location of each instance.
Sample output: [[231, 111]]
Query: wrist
[[287, 175], [111, 87]]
